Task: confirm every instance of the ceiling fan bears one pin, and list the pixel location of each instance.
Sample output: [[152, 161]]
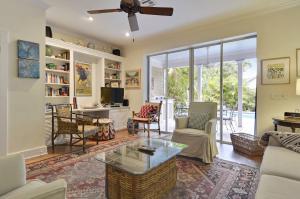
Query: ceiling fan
[[134, 6]]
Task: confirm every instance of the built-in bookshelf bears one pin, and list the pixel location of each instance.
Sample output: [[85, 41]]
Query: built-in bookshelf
[[57, 72], [113, 73]]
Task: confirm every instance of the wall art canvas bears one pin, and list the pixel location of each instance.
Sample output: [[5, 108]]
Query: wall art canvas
[[133, 79], [28, 50], [276, 71], [29, 68], [298, 61], [83, 79]]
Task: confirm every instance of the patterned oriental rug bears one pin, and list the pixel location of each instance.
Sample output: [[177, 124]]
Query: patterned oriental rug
[[85, 176]]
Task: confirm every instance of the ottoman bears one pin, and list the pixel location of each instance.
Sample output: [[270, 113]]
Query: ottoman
[[106, 130]]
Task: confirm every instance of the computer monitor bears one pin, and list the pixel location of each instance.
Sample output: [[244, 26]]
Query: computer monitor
[[112, 95]]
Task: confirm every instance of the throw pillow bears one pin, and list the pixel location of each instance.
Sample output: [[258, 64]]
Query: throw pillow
[[198, 120], [145, 111]]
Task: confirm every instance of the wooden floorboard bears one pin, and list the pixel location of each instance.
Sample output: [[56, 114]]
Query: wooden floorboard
[[226, 151]]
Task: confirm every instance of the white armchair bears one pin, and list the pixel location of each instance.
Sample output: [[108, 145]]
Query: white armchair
[[13, 183], [201, 143]]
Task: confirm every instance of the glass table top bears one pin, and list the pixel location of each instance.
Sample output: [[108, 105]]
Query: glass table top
[[128, 157]]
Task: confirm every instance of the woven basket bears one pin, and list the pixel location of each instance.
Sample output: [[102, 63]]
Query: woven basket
[[246, 143], [151, 185]]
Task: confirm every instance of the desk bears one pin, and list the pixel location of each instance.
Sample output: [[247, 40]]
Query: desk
[[287, 121]]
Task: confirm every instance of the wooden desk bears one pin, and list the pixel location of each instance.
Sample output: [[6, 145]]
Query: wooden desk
[[287, 121]]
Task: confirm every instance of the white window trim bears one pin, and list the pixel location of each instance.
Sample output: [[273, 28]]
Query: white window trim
[[4, 40]]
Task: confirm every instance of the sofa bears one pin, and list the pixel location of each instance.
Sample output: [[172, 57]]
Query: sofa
[[13, 184], [279, 173]]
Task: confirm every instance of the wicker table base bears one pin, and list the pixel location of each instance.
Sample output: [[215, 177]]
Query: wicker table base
[[151, 185]]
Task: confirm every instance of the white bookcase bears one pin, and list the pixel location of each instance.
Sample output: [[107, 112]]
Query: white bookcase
[[59, 81]]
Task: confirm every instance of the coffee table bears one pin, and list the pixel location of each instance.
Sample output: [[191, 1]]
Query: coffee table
[[131, 173]]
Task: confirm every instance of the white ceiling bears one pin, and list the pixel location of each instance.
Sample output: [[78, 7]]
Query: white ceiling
[[71, 15]]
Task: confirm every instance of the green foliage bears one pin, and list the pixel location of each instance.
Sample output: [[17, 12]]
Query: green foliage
[[178, 85]]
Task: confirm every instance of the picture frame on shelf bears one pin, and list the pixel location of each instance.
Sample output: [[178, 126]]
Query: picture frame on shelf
[[133, 79], [275, 71], [298, 61], [115, 84]]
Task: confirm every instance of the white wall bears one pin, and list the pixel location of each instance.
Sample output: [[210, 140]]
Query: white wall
[[26, 21], [278, 36]]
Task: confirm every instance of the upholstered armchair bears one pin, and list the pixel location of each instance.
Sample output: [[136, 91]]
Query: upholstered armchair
[[13, 184], [78, 126], [202, 141]]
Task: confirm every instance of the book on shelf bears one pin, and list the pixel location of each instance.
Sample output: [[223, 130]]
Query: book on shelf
[[55, 79], [53, 92]]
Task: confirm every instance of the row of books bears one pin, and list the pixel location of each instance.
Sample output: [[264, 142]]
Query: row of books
[[57, 79], [64, 91]]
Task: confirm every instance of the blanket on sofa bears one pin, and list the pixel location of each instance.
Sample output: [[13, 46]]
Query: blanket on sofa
[[288, 140]]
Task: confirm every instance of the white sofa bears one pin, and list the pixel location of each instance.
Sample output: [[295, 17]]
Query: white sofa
[[280, 173], [13, 183]]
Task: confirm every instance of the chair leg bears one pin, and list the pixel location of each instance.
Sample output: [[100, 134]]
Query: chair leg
[[52, 139], [159, 128], [71, 139], [144, 128], [97, 137], [83, 143], [148, 130]]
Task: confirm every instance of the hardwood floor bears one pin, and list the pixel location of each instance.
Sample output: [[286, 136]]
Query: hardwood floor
[[226, 151]]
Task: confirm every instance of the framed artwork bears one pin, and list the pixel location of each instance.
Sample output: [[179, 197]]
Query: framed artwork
[[28, 59], [298, 61], [275, 71], [115, 84], [83, 79], [133, 79], [29, 69]]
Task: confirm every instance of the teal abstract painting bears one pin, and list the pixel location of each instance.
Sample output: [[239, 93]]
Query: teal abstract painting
[[29, 68], [28, 50]]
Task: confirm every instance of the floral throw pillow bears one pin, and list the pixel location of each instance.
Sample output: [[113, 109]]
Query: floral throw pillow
[[198, 120]]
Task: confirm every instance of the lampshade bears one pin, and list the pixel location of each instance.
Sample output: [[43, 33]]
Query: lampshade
[[298, 87]]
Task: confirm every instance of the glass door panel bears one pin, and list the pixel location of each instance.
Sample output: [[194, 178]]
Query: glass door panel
[[157, 85], [207, 76], [178, 83], [239, 87]]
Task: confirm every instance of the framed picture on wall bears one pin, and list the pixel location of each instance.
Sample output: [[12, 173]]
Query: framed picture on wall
[[298, 61], [83, 79], [133, 79], [275, 71]]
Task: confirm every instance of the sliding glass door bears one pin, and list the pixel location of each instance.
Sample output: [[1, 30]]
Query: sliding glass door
[[224, 72]]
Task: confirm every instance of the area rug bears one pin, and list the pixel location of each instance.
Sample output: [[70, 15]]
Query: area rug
[[85, 176]]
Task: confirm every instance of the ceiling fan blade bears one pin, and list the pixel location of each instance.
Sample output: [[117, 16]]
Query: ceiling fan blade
[[133, 22], [103, 11], [157, 11]]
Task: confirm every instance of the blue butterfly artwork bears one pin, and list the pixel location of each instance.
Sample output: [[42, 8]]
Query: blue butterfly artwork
[[28, 50]]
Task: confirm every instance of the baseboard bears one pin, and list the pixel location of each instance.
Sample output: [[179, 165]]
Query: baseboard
[[34, 152]]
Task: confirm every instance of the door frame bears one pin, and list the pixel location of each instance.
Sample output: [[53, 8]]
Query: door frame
[[4, 40], [191, 75]]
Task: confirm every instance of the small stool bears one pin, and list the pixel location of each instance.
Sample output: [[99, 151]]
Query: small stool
[[106, 130]]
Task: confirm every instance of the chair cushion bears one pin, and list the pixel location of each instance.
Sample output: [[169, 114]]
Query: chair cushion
[[29, 186], [282, 162], [197, 120], [146, 111], [274, 187]]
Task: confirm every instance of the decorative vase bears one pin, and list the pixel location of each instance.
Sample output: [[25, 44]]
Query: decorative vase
[[49, 51]]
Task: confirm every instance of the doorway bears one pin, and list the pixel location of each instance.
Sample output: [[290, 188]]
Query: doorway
[[3, 91], [224, 72]]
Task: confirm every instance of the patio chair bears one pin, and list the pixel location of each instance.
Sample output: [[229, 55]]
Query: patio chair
[[228, 121], [149, 114], [77, 126], [201, 141]]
